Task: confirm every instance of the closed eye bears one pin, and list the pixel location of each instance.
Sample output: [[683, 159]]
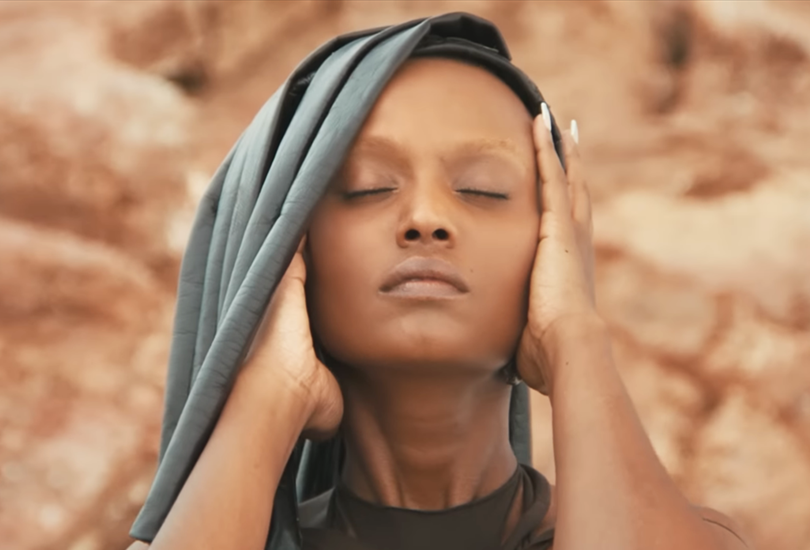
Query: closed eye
[[366, 192], [490, 194], [377, 191]]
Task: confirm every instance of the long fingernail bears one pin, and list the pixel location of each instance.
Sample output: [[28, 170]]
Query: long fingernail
[[575, 131], [546, 115]]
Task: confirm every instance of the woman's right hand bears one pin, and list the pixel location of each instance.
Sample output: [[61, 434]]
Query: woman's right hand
[[283, 353], [281, 393]]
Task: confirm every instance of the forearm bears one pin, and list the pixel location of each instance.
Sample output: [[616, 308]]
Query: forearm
[[228, 497], [613, 492]]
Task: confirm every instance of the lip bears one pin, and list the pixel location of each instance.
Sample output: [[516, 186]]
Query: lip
[[427, 274]]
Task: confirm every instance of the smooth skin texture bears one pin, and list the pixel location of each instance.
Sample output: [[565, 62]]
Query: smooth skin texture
[[447, 167], [426, 417]]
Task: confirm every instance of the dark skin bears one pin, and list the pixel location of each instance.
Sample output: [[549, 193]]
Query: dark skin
[[425, 414], [420, 401]]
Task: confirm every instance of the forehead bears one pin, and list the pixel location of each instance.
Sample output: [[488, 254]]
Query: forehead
[[435, 102]]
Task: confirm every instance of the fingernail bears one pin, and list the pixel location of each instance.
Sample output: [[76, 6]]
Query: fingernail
[[546, 115], [575, 131]]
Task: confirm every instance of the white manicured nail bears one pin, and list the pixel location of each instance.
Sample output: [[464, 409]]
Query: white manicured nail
[[575, 131], [546, 115]]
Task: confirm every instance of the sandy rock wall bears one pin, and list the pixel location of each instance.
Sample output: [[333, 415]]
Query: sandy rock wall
[[693, 120]]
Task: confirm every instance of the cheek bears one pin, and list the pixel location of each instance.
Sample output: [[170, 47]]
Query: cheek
[[504, 272], [349, 257], [343, 277]]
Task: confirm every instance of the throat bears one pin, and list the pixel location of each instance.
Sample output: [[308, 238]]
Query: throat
[[426, 445]]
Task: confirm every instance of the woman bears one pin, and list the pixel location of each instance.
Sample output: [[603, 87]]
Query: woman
[[447, 251]]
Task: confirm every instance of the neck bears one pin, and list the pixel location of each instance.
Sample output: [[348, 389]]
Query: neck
[[413, 441]]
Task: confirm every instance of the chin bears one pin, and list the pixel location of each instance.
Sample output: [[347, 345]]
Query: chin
[[427, 340], [426, 350]]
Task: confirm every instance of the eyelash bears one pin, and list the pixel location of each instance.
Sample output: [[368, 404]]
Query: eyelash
[[366, 192], [489, 194]]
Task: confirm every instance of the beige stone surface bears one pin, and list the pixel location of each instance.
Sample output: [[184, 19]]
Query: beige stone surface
[[752, 466], [694, 122]]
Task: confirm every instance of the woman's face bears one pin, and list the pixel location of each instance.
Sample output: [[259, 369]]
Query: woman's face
[[443, 169]]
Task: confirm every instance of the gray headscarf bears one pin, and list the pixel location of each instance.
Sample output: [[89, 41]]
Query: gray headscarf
[[248, 226]]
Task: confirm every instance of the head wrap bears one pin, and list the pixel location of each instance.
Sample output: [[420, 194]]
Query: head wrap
[[248, 226]]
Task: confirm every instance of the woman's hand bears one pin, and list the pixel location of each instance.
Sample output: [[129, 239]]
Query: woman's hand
[[282, 392], [565, 353], [561, 294], [283, 353]]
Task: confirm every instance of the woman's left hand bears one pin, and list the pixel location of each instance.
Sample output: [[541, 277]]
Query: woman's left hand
[[562, 290]]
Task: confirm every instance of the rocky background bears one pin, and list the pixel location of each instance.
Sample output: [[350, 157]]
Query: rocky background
[[694, 120]]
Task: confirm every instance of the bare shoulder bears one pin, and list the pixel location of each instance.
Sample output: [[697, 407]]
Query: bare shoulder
[[727, 530], [138, 545]]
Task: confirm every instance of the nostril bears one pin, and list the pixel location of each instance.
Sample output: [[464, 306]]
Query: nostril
[[440, 234], [412, 234]]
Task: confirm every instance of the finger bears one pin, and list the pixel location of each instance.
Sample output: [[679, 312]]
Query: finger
[[581, 199], [297, 269], [554, 188]]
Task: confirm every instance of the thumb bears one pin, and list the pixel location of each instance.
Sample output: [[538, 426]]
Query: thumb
[[297, 269]]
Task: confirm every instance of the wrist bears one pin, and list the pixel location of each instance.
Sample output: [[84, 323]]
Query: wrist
[[575, 344], [571, 333], [267, 390]]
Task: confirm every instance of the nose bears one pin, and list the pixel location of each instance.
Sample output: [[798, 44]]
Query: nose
[[426, 218]]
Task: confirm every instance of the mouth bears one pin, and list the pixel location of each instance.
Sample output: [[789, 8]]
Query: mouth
[[427, 278]]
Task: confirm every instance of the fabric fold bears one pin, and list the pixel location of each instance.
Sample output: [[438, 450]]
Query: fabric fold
[[248, 226]]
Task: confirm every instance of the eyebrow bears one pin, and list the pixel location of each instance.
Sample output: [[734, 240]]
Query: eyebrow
[[502, 148], [383, 148], [486, 145], [389, 150]]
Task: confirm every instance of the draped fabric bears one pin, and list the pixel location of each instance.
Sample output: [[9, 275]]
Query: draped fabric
[[248, 226]]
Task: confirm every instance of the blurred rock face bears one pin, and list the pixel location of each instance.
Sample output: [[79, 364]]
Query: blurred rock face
[[693, 121]]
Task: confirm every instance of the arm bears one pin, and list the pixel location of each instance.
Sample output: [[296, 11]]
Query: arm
[[228, 498], [282, 391], [612, 491]]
